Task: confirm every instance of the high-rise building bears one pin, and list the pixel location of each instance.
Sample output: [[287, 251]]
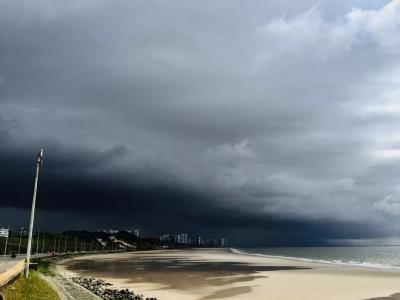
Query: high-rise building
[[165, 238], [200, 241], [223, 242], [182, 238], [137, 232]]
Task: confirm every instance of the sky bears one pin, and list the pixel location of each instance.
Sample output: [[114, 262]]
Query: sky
[[269, 122]]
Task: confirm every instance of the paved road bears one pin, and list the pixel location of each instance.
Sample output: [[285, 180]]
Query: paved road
[[7, 263]]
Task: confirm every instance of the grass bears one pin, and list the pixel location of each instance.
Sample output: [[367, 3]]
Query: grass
[[33, 288]]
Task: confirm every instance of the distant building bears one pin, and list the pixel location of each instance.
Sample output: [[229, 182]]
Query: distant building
[[182, 238], [22, 231], [165, 238], [110, 231], [212, 242], [137, 232], [223, 242], [200, 241], [17, 232], [4, 232]]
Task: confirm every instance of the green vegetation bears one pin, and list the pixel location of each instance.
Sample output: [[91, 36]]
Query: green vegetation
[[76, 241], [47, 243], [33, 288], [50, 243], [44, 266]]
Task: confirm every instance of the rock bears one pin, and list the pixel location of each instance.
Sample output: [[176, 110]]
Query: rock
[[101, 288]]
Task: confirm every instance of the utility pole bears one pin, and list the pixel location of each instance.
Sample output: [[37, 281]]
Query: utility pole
[[37, 243], [28, 251], [20, 239]]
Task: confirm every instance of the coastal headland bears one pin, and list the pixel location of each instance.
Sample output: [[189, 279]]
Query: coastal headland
[[200, 274]]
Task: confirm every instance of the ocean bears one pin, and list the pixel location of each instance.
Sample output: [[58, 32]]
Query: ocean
[[383, 257]]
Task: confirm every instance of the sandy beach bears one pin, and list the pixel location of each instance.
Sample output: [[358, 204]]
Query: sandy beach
[[220, 274]]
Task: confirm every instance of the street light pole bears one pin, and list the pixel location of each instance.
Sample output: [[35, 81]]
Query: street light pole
[[55, 243], [20, 239], [37, 244], [65, 245], [44, 237], [59, 244], [28, 251]]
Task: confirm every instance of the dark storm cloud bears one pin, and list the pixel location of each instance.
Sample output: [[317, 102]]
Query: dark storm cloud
[[224, 116], [79, 199]]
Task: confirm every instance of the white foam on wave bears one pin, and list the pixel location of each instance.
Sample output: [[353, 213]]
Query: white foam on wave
[[331, 262]]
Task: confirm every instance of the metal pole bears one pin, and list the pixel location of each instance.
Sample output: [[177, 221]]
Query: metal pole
[[59, 243], [20, 239], [76, 239], [5, 247], [28, 251], [37, 244], [81, 246], [55, 243], [84, 246], [44, 237], [65, 245]]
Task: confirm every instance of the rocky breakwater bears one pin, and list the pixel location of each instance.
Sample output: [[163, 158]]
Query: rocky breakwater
[[104, 291]]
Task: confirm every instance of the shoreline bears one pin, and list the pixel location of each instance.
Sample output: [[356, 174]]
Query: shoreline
[[220, 274], [367, 265]]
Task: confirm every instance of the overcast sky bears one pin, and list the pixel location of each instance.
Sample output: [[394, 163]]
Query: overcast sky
[[277, 120]]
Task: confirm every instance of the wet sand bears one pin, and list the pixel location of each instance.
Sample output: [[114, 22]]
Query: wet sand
[[218, 274]]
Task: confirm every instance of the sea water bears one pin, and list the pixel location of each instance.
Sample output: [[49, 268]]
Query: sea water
[[384, 257]]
